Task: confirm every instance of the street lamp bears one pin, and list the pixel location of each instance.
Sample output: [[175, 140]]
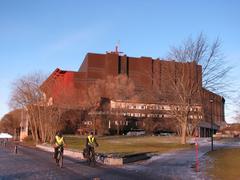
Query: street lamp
[[211, 101]]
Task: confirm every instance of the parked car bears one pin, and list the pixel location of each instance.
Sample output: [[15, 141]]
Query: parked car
[[136, 132]]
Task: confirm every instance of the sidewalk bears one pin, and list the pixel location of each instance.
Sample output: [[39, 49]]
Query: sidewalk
[[180, 164]]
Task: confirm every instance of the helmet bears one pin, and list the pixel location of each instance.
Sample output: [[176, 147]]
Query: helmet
[[59, 133]]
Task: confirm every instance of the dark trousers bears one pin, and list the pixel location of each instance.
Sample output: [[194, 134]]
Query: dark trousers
[[56, 151], [89, 148]]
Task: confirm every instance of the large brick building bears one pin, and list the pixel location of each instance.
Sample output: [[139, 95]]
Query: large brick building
[[69, 87]]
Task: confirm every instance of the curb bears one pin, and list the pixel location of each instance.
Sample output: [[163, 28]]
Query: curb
[[136, 157], [67, 152], [102, 159]]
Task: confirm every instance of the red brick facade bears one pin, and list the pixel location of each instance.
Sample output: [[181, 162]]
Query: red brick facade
[[67, 87], [144, 71]]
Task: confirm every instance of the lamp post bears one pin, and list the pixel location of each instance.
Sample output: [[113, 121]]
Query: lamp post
[[211, 101]]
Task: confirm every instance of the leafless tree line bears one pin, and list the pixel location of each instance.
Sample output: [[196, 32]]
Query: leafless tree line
[[43, 120]]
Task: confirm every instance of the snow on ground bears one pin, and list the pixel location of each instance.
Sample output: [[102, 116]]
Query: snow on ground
[[181, 164]]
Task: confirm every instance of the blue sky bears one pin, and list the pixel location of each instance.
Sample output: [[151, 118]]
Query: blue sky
[[43, 35]]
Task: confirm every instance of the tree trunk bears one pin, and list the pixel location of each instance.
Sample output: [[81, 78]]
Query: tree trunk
[[41, 133], [35, 130], [118, 129], [31, 126], [184, 132]]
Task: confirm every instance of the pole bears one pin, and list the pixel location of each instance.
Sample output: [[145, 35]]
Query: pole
[[211, 101], [196, 146], [16, 149]]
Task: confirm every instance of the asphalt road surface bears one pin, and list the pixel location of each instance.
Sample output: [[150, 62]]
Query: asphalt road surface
[[31, 163]]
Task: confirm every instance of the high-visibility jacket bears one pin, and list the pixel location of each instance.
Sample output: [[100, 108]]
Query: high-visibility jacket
[[91, 139], [59, 141]]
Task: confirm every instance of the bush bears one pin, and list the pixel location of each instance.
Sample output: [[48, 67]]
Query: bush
[[112, 131], [28, 139]]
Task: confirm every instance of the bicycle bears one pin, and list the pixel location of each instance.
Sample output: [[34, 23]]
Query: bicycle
[[91, 158], [59, 159]]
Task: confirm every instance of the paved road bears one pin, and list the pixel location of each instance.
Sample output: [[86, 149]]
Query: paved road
[[35, 164]]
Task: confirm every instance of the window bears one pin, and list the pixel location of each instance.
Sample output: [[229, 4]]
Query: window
[[87, 122], [142, 115]]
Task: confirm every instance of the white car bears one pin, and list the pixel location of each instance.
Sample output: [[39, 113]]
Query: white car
[[136, 132]]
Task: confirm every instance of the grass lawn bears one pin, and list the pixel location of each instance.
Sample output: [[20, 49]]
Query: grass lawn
[[122, 145], [226, 163]]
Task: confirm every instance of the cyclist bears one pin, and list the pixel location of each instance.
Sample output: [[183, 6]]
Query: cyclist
[[90, 142], [59, 142]]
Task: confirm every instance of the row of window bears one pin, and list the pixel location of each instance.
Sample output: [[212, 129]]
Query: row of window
[[145, 115], [158, 115], [115, 122], [137, 106], [121, 105], [142, 114], [137, 115]]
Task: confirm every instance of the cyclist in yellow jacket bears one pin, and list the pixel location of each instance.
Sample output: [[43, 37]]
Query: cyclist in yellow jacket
[[90, 143], [58, 142]]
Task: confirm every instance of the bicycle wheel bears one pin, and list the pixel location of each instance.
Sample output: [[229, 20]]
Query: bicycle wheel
[[60, 160], [92, 158], [89, 157], [57, 158]]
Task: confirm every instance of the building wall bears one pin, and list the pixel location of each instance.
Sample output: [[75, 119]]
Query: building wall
[[144, 71], [147, 73], [66, 88], [214, 109]]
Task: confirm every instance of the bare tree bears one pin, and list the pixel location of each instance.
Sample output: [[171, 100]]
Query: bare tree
[[26, 95], [120, 88], [209, 55], [182, 96], [92, 100], [237, 111], [179, 95], [43, 119], [150, 124], [10, 123], [115, 88], [214, 71]]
